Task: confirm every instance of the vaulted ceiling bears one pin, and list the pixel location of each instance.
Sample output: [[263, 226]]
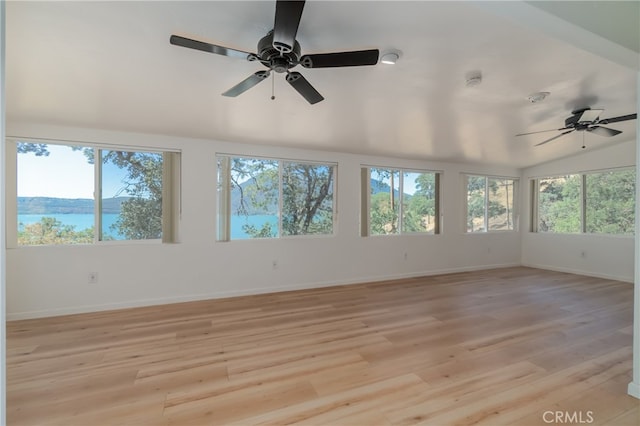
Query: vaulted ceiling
[[109, 65]]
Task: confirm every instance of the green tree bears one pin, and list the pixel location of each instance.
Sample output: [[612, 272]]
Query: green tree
[[559, 204], [610, 207], [384, 206], [141, 214], [419, 209], [307, 195], [51, 231], [307, 199], [483, 205], [38, 149], [475, 202], [383, 214]]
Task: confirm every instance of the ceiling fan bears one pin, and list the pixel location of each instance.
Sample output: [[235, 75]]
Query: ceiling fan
[[586, 119], [279, 51]]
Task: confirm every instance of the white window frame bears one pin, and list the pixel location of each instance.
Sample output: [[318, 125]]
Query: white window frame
[[223, 211], [171, 194], [535, 201], [514, 203], [365, 199]]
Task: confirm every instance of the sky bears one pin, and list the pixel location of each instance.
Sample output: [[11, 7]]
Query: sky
[[64, 174]]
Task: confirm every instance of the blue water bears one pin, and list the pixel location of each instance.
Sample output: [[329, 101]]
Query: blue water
[[257, 220], [85, 221]]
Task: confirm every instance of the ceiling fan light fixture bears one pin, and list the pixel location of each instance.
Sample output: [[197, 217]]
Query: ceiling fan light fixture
[[537, 97], [390, 58]]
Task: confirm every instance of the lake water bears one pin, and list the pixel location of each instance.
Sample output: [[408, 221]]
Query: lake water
[[84, 221]]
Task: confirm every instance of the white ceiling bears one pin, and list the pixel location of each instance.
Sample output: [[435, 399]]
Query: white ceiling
[[109, 65]]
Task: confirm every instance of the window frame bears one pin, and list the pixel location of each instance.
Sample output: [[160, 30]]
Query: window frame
[[365, 200], [535, 202], [514, 203], [171, 193], [223, 196]]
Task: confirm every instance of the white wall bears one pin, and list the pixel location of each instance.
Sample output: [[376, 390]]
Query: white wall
[[3, 343], [45, 281], [605, 256]]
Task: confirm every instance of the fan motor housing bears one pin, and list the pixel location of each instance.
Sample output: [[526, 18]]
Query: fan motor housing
[[571, 121], [273, 58]]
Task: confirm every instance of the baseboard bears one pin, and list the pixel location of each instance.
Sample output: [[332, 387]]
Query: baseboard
[[634, 390], [579, 272], [238, 293]]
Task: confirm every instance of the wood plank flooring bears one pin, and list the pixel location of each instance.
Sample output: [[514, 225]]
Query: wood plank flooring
[[497, 347]]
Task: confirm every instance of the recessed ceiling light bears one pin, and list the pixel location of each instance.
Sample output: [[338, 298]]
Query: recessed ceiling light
[[537, 97], [390, 58]]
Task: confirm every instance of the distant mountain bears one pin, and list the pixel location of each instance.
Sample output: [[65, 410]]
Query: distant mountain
[[379, 186], [249, 186], [44, 205]]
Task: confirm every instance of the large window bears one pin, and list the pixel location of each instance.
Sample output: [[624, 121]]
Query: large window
[[490, 202], [79, 194], [397, 201], [268, 198], [600, 202]]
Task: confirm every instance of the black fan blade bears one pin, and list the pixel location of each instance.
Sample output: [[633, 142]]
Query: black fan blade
[[616, 119], [603, 131], [208, 47], [341, 59], [285, 27], [303, 87], [543, 131], [247, 84], [555, 137]]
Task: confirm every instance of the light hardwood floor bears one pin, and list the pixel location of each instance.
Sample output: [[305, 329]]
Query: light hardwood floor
[[491, 347]]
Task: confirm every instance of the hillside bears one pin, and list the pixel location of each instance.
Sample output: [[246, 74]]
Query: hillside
[[376, 187], [50, 205]]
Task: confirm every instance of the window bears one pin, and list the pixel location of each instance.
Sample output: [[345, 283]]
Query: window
[[80, 194], [268, 198], [600, 202], [397, 201], [490, 202], [559, 204]]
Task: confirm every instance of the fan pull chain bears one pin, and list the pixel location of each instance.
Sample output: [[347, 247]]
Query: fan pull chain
[[273, 79], [583, 145]]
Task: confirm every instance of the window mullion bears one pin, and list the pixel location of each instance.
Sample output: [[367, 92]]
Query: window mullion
[[400, 201], [97, 193], [365, 202], [535, 204], [583, 207], [436, 194], [11, 194], [486, 204], [280, 196], [224, 207]]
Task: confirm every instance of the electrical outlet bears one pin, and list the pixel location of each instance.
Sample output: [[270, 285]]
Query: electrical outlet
[[93, 278]]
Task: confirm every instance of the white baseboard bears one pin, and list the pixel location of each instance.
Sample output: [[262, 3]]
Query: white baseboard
[[15, 316], [634, 390], [579, 272]]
